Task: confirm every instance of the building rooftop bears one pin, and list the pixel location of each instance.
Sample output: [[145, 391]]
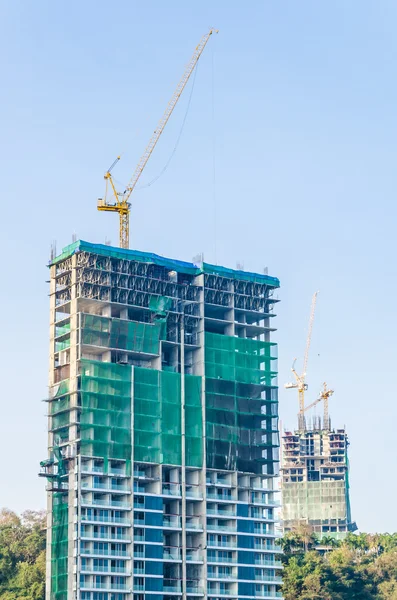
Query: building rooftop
[[169, 263]]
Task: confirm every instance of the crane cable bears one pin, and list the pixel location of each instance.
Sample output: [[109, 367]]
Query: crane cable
[[142, 187], [214, 197]]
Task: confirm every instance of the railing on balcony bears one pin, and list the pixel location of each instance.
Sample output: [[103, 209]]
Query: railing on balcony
[[193, 493], [171, 489], [102, 552], [106, 503], [221, 513], [172, 521], [221, 544], [172, 588], [221, 497], [230, 528], [96, 518], [194, 589], [105, 586], [193, 555], [218, 559], [271, 578], [193, 523], [105, 536], [172, 553], [103, 569]]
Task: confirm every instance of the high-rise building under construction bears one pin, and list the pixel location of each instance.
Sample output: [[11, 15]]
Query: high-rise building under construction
[[163, 429], [315, 480]]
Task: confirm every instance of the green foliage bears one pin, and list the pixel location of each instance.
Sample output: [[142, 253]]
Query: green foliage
[[361, 567], [22, 555]]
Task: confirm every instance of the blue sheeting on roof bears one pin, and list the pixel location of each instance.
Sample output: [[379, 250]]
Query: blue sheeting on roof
[[169, 263]]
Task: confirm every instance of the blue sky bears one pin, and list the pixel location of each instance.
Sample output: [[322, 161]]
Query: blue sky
[[294, 106]]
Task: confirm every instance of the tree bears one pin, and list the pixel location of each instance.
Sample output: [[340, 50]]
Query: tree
[[22, 556], [330, 542], [359, 568]]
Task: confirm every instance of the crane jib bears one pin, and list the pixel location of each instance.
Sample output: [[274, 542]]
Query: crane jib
[[122, 207]]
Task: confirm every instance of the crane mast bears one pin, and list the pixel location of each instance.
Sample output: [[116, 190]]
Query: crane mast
[[121, 203], [300, 380], [324, 396]]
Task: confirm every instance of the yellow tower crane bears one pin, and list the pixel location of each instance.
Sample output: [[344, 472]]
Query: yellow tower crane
[[324, 395], [300, 380], [121, 203]]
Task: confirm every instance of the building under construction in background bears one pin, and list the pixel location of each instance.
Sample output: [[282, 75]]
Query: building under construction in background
[[314, 465], [163, 429], [315, 480]]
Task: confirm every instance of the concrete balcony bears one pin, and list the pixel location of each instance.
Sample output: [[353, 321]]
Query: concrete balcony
[[194, 556], [105, 553], [172, 521], [106, 571], [113, 520], [268, 578], [224, 514], [105, 537], [171, 554], [221, 497], [227, 528], [109, 587], [214, 544], [171, 489]]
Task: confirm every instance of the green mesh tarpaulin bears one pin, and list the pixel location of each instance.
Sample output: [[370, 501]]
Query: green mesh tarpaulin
[[157, 417], [193, 421], [59, 548], [105, 422], [239, 379], [160, 304], [121, 334], [239, 359], [60, 398]]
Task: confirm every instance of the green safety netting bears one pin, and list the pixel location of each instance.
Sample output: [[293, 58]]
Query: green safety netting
[[59, 409], [239, 359], [60, 420], [60, 404], [239, 423], [193, 421], [59, 548], [241, 432], [60, 398], [106, 414], [105, 391], [315, 500], [60, 389], [62, 329], [121, 334], [160, 304], [347, 490], [157, 417], [59, 346]]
